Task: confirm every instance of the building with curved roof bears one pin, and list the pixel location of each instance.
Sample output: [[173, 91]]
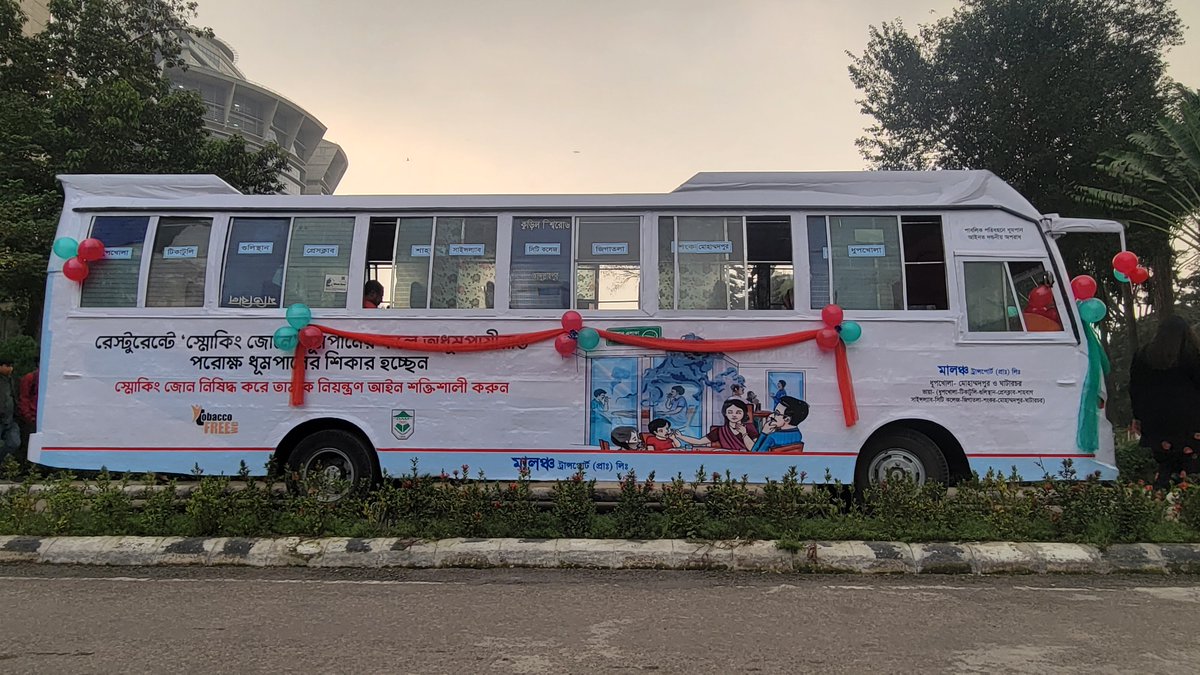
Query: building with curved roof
[[235, 105]]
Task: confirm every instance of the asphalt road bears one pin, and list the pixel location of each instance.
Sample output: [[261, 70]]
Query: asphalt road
[[73, 619]]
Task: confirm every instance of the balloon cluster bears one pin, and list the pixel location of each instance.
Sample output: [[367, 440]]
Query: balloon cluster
[[77, 255], [586, 339], [836, 329], [298, 330], [1091, 308], [1127, 270]]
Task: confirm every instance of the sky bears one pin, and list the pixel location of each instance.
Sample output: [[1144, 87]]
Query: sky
[[576, 96]]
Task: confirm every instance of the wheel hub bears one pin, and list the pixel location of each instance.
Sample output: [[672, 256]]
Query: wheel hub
[[895, 464]]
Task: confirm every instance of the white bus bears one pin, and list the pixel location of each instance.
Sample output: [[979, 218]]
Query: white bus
[[163, 358]]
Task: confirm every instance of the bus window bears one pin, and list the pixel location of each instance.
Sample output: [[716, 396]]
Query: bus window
[[115, 283], [254, 260], [540, 272], [1000, 297], [318, 263], [872, 270], [769, 259], [608, 262], [924, 263], [867, 271], [178, 263], [819, 292], [725, 262], [464, 263], [410, 272]]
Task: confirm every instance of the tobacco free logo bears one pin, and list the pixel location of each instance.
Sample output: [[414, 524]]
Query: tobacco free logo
[[214, 423], [403, 422]]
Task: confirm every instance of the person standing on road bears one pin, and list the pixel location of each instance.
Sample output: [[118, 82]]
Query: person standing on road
[[1164, 388], [10, 432]]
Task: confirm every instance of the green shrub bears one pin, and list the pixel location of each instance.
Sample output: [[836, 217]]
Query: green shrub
[[574, 505], [632, 514]]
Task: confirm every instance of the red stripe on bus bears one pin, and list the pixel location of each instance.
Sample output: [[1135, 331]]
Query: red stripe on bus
[[1025, 455]]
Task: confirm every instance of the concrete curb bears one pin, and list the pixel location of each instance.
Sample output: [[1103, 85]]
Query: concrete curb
[[841, 557]]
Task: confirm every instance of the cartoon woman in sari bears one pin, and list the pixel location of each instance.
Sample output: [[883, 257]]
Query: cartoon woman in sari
[[737, 433]]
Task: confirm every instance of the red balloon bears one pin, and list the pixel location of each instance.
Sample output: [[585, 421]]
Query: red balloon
[[75, 269], [1139, 275], [91, 249], [312, 337], [832, 315], [563, 344], [827, 338], [1042, 297], [1124, 262], [572, 321], [1084, 287]]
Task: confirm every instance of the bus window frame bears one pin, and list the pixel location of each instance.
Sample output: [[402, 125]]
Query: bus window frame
[[88, 218], [965, 336], [800, 280]]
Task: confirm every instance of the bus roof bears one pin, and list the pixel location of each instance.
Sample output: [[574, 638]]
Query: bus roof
[[740, 190]]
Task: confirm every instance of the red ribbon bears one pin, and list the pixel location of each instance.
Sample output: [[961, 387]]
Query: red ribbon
[[485, 343]]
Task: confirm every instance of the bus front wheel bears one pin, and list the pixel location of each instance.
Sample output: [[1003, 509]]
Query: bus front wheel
[[330, 458], [898, 454]]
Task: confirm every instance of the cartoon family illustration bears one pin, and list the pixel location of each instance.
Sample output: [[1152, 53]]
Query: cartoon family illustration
[[668, 399]]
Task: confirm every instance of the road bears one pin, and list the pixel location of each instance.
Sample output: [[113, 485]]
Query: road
[[159, 620]]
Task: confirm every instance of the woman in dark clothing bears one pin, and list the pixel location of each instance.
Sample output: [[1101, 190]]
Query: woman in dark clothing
[[1164, 387]]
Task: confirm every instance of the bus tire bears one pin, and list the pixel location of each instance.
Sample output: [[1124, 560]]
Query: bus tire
[[901, 452], [337, 454]]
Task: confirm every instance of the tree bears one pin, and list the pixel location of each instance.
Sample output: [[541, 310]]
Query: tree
[[1033, 90], [88, 95], [1158, 176]]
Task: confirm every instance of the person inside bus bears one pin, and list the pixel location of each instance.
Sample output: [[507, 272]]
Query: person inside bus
[[1164, 388], [372, 294], [674, 407], [781, 429], [737, 433], [601, 421]]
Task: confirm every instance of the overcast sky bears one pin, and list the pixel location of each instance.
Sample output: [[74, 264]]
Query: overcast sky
[[543, 96]]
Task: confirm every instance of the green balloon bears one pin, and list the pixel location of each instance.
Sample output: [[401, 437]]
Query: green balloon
[[1013, 312], [850, 332], [286, 338], [65, 247], [588, 339], [1092, 310], [1120, 277], [299, 315]]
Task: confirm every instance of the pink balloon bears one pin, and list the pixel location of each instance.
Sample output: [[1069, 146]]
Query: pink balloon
[[1084, 287], [75, 269], [1139, 275], [563, 344], [312, 337], [827, 338], [91, 249], [1124, 262], [832, 315], [571, 320]]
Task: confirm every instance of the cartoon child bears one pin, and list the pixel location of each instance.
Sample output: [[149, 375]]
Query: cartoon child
[[742, 394], [781, 427], [627, 438], [662, 437]]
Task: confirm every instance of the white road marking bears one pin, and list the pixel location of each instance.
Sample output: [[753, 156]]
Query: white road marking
[[328, 582]]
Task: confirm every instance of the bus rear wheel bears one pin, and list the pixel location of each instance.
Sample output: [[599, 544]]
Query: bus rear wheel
[[900, 454], [331, 462]]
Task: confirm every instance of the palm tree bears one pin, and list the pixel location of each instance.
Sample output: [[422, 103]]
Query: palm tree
[[1159, 177]]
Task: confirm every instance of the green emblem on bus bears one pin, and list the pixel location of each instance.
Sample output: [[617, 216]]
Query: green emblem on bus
[[402, 423], [640, 331]]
